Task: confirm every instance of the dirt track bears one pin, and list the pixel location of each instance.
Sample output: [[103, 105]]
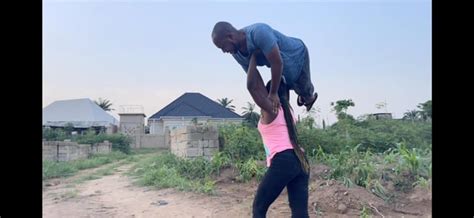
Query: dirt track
[[116, 196]]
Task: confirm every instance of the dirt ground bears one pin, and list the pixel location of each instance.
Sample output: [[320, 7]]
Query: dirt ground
[[116, 196]]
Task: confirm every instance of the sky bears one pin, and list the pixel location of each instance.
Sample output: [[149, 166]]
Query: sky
[[149, 53]]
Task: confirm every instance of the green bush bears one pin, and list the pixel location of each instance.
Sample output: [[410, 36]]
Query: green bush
[[51, 134], [166, 170], [388, 133], [404, 167], [249, 169], [119, 142], [196, 168], [220, 160], [376, 135], [328, 140], [164, 177], [53, 169], [241, 142], [350, 164]]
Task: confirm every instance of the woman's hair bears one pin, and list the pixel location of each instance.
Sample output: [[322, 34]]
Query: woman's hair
[[284, 95]]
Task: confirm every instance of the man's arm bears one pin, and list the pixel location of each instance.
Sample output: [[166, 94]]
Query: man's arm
[[256, 87], [265, 40]]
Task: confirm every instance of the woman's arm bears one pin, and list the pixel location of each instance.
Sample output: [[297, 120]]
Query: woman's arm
[[256, 87]]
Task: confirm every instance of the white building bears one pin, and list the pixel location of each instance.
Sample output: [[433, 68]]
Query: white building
[[189, 108], [81, 113]]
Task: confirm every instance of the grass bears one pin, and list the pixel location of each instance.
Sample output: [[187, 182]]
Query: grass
[[99, 160], [249, 169], [165, 170], [364, 213], [57, 169], [406, 168], [99, 173], [53, 169]]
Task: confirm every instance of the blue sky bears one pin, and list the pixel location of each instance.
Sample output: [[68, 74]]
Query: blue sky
[[150, 52]]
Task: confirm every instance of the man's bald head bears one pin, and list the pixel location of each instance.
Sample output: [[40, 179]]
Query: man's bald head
[[222, 29], [226, 37]]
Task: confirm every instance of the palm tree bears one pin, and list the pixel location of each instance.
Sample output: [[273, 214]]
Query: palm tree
[[426, 110], [104, 104], [251, 117], [411, 115], [226, 103]]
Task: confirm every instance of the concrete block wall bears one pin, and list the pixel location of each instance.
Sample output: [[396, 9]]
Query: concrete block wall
[[101, 148], [67, 151], [153, 141], [194, 141], [50, 150]]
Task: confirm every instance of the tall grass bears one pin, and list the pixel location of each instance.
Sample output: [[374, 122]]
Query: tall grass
[[168, 171], [53, 169]]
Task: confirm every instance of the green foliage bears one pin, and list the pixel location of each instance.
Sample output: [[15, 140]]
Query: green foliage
[[426, 110], [376, 135], [51, 134], [251, 117], [166, 170], [119, 142], [241, 142], [68, 128], [364, 213], [249, 169], [53, 169], [225, 102], [220, 160], [105, 104]]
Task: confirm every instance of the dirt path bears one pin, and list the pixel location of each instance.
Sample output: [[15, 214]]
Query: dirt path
[[115, 196]]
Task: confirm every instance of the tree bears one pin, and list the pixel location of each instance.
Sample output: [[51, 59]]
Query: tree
[[251, 117], [341, 106], [426, 110], [104, 104], [68, 128], [412, 115], [309, 120], [226, 103]]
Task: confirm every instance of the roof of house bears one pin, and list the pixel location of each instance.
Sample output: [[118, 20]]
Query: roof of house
[[193, 105], [82, 113]]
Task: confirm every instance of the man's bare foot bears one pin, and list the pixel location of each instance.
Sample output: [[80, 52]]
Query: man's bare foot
[[310, 101]]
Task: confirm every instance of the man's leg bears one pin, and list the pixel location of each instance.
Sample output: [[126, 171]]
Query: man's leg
[[303, 86]]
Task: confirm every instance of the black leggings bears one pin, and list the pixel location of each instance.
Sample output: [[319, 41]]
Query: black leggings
[[285, 170]]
